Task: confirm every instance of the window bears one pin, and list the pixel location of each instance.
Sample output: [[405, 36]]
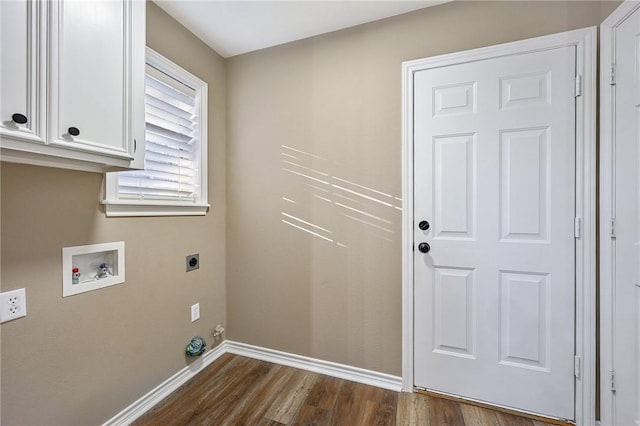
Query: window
[[174, 179]]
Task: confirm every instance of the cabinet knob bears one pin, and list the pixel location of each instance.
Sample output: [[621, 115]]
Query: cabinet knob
[[74, 131], [19, 118]]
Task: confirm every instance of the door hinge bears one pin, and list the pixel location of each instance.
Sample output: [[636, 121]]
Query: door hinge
[[577, 366], [577, 228], [612, 227], [578, 85], [612, 380], [135, 145], [612, 75]]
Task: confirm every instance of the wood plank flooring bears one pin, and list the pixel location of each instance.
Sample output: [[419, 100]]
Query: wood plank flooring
[[235, 390]]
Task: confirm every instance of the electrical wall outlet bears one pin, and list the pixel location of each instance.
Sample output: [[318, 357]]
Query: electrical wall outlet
[[13, 305], [195, 312], [193, 262]]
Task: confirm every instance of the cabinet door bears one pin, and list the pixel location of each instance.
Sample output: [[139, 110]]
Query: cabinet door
[[90, 78], [22, 83]]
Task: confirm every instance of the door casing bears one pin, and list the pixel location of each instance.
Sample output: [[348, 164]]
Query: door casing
[[607, 207], [584, 41]]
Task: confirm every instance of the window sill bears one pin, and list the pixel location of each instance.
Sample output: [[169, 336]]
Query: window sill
[[124, 209]]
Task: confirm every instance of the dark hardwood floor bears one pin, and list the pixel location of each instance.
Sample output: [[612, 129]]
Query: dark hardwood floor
[[235, 390]]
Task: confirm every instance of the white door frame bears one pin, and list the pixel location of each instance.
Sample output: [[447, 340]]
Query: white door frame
[[607, 207], [585, 42]]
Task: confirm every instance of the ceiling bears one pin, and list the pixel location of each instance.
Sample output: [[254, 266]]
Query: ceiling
[[234, 27]]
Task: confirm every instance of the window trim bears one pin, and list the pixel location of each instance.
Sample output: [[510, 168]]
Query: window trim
[[118, 207]]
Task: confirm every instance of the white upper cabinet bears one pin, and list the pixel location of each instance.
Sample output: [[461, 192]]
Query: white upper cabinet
[[93, 105]]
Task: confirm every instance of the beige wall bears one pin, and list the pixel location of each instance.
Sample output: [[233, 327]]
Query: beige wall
[[330, 108], [82, 359]]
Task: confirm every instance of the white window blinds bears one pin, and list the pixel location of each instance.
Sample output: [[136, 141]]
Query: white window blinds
[[172, 150]]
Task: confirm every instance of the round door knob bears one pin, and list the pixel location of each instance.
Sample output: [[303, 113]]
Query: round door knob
[[424, 247], [19, 118], [74, 131], [424, 225]]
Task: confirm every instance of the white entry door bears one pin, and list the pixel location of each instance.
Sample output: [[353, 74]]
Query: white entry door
[[494, 178], [620, 238]]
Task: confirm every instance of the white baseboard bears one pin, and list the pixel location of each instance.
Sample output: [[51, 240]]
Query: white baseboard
[[164, 389], [333, 369], [328, 368]]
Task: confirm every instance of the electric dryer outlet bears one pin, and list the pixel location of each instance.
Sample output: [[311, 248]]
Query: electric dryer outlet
[[193, 262]]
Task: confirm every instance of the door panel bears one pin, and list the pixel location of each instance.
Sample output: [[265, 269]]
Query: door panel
[[21, 80], [454, 311], [454, 186], [524, 321], [494, 152], [523, 184], [81, 65]]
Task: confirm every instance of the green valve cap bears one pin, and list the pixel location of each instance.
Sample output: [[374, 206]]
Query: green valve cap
[[196, 346]]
